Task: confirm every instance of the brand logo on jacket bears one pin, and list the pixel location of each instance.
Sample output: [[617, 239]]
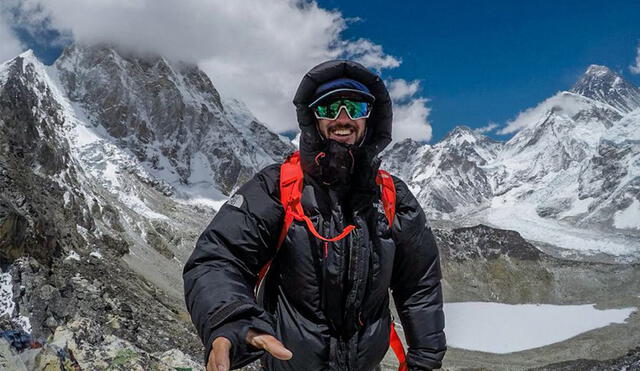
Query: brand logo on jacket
[[236, 200], [378, 205]]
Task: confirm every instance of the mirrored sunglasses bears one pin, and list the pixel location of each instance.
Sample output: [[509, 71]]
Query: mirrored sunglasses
[[355, 109]]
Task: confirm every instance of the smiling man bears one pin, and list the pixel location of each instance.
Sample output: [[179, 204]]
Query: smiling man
[[323, 236]]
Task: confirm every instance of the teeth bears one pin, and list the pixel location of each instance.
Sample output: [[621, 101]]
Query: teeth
[[342, 131]]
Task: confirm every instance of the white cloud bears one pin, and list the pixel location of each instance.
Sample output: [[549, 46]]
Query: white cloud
[[410, 112], [636, 69], [253, 50], [400, 89], [486, 129], [10, 46], [410, 120], [562, 103], [369, 54]]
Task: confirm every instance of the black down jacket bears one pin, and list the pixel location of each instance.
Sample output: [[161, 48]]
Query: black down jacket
[[330, 309]]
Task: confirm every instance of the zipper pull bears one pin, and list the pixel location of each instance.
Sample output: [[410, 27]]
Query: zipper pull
[[326, 249]]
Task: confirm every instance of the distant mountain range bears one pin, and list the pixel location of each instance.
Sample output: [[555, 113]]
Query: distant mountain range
[[570, 177]]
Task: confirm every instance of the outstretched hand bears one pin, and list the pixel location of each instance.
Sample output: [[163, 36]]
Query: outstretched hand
[[219, 356]]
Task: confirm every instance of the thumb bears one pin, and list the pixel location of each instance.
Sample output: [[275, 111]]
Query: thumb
[[270, 344], [219, 356]]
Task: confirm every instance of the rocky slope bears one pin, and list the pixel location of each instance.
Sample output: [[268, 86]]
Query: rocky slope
[[485, 264], [110, 166]]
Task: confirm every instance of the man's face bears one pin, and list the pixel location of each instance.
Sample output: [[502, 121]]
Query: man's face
[[343, 129]]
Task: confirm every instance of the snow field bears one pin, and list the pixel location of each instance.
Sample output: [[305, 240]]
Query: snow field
[[523, 218], [628, 218], [505, 328]]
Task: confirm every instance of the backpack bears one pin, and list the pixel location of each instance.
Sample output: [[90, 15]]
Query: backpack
[[291, 180]]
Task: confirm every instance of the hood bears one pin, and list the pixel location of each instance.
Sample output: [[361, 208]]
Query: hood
[[378, 132]]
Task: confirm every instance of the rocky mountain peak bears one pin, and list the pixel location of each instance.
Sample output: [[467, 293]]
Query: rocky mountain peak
[[25, 65], [598, 70], [465, 142], [602, 84], [25, 57], [463, 134]]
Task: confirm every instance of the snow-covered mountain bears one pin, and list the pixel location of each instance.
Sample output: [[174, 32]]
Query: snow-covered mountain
[[569, 178], [170, 116], [601, 84], [110, 167], [447, 176], [138, 147]]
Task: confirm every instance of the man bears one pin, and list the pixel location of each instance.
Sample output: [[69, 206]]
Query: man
[[325, 302]]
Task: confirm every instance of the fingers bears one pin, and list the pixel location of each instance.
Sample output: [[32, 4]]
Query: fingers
[[270, 344], [219, 356]]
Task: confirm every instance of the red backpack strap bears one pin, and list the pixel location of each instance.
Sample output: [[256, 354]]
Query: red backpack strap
[[388, 196], [291, 179], [396, 344]]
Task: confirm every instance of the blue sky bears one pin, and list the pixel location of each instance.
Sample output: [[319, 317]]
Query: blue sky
[[477, 61], [483, 61]]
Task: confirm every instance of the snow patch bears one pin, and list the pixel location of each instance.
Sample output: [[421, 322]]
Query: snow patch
[[505, 328], [82, 231], [73, 256], [296, 140], [522, 217], [24, 323], [136, 204], [4, 71], [8, 306], [6, 294], [96, 254], [628, 218]]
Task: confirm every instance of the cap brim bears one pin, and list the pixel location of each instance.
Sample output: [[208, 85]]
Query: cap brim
[[367, 96]]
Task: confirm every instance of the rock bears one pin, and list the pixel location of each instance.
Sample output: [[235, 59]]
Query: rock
[[629, 361], [51, 323], [13, 231], [177, 360], [8, 359]]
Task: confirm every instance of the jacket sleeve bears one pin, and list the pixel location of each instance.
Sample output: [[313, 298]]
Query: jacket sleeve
[[221, 273], [415, 283]]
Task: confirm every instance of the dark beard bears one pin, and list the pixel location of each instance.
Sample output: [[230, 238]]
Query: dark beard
[[347, 168], [337, 164]]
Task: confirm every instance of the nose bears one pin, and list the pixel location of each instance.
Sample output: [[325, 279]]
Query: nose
[[343, 116]]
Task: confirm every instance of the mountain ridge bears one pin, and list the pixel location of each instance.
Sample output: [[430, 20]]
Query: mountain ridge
[[571, 166]]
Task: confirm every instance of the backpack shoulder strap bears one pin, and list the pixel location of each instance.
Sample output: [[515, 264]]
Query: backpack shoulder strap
[[291, 179], [387, 194]]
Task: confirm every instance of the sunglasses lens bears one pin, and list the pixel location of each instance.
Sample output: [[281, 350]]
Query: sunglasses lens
[[325, 112], [355, 109]]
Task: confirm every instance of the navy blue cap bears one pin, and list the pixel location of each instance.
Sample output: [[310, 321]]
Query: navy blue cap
[[340, 86]]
